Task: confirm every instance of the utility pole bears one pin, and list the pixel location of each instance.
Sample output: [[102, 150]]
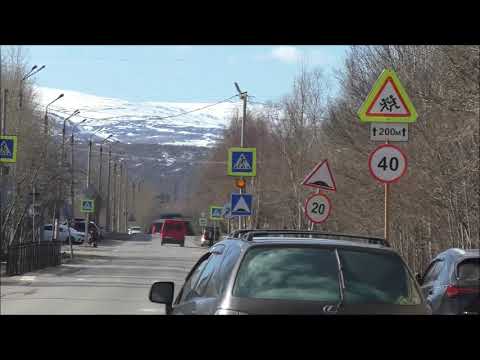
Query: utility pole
[[114, 196], [100, 171], [89, 166], [243, 96], [126, 199], [119, 200], [72, 186], [133, 198], [107, 214]]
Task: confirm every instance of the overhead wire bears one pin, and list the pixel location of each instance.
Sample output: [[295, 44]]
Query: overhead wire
[[57, 110]]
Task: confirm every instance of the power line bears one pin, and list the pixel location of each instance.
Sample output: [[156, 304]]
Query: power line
[[56, 109]]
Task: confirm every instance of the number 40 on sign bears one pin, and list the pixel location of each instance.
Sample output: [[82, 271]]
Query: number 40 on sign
[[387, 163]]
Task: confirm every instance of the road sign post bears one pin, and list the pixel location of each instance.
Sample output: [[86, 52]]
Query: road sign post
[[388, 102]]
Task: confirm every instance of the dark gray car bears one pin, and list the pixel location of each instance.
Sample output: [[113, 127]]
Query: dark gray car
[[451, 283], [294, 275]]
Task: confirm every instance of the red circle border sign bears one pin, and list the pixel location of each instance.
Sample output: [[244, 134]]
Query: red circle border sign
[[306, 204], [370, 163]]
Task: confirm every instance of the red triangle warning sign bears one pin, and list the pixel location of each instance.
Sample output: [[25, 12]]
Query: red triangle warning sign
[[387, 101], [321, 177]]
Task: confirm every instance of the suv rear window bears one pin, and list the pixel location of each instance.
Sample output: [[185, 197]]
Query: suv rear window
[[307, 273], [288, 274], [469, 269], [372, 277]]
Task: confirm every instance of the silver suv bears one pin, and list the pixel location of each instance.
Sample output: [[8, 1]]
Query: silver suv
[[295, 272]]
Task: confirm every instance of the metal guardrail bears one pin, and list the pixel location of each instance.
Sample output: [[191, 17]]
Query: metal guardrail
[[28, 257]]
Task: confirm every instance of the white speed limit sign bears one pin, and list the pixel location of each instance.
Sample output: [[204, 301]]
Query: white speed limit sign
[[387, 163], [317, 208]]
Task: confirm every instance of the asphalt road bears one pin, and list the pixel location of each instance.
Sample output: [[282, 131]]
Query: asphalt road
[[114, 278]]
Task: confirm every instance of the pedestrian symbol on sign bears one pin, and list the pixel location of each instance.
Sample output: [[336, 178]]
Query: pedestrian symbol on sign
[[4, 150], [8, 149], [242, 163], [87, 206]]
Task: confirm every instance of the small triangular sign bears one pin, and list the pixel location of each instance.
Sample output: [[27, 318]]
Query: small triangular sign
[[241, 205], [321, 177], [387, 101]]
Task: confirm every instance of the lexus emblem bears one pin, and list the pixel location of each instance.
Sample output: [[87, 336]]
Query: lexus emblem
[[330, 309]]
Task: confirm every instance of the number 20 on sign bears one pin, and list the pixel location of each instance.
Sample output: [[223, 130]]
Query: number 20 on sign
[[387, 163], [317, 208]]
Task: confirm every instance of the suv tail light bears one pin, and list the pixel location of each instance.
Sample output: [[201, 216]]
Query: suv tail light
[[229, 312], [453, 291]]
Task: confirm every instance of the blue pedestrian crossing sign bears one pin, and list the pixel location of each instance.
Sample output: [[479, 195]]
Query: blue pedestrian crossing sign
[[88, 206], [241, 204], [242, 161], [8, 149], [216, 212]]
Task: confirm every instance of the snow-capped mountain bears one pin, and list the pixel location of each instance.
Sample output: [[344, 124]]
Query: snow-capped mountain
[[142, 122]]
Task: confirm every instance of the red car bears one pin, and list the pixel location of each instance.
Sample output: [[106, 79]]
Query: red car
[[171, 231]]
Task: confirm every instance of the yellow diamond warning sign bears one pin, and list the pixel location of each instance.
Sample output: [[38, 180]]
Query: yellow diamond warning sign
[[387, 102]]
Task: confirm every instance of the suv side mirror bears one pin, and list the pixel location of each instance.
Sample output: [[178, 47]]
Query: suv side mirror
[[418, 276], [162, 293]]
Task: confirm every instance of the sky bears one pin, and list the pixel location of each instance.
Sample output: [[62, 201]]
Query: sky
[[178, 73]]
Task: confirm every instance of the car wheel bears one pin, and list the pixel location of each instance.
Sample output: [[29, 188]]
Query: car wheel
[[182, 244]]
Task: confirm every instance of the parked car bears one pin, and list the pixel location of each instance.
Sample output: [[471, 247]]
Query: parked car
[[79, 225], [210, 236], [63, 235], [296, 272], [451, 283], [134, 230]]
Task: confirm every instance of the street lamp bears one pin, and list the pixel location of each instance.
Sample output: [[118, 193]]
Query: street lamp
[[29, 74], [100, 170], [76, 112], [46, 111], [108, 211]]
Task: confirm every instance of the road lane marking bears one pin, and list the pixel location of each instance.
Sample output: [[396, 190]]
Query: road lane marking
[[151, 310], [27, 278]]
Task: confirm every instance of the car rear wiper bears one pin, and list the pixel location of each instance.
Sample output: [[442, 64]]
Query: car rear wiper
[[341, 281]]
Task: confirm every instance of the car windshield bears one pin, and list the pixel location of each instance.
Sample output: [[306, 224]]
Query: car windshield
[[308, 273]]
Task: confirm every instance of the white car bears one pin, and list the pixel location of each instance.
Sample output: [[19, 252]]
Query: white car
[[134, 230], [77, 237]]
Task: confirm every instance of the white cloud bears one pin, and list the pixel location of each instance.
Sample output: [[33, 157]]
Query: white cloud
[[288, 54]]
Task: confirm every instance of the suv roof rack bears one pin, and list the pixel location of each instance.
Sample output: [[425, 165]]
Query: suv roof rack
[[314, 234]]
